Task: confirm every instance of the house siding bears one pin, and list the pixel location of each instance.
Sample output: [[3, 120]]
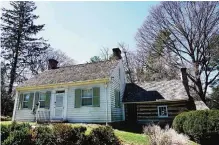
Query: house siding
[[119, 84], [72, 114], [88, 113]]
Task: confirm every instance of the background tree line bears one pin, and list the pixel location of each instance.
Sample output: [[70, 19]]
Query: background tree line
[[176, 35]]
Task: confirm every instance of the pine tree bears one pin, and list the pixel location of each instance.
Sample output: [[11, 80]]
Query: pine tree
[[20, 45]]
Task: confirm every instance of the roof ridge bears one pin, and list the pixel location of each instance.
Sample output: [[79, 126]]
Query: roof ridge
[[86, 63]]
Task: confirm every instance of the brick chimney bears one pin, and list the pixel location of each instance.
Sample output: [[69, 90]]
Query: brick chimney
[[117, 53], [52, 64]]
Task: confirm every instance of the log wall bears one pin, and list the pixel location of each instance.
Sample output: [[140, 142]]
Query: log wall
[[148, 112]]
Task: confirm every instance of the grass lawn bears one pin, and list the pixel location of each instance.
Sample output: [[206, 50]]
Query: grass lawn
[[127, 138], [132, 138]]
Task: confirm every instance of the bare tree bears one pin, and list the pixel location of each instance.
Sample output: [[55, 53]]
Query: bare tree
[[128, 61], [105, 53], [42, 61], [191, 27]]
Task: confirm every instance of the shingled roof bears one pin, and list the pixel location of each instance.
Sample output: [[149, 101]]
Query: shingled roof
[[152, 91], [74, 73]]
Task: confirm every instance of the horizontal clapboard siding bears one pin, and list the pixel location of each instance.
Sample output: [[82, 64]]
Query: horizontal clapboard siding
[[119, 84], [24, 115], [87, 113]]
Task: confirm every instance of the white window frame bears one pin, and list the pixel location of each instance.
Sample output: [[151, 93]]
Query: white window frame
[[41, 100], [25, 101], [162, 106], [86, 97]]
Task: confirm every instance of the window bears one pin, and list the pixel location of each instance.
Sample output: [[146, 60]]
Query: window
[[117, 98], [25, 100], [162, 111], [42, 100], [87, 97]]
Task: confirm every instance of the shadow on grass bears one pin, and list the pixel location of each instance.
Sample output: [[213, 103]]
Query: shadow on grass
[[135, 127]]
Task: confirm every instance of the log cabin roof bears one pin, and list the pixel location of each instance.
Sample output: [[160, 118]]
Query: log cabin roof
[[155, 90], [74, 73]]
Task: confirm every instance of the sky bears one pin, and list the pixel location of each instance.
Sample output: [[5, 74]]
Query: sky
[[81, 29]]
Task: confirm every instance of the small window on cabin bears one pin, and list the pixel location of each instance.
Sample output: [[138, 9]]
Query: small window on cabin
[[87, 97], [42, 100], [162, 111], [25, 101]]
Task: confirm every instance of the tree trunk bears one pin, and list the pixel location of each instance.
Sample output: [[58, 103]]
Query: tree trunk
[[199, 83], [13, 73], [14, 65]]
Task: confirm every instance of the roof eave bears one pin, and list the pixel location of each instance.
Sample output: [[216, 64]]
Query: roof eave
[[49, 86], [163, 100]]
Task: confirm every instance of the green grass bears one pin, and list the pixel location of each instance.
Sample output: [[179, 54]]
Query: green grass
[[132, 138]]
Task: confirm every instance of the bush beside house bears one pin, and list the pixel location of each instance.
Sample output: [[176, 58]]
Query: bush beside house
[[167, 136], [201, 125], [24, 134]]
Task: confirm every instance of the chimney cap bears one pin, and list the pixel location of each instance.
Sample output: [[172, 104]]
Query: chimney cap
[[117, 53], [53, 60], [52, 64], [116, 50]]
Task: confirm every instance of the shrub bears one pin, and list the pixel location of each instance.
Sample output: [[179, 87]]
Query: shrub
[[67, 135], [7, 129], [165, 136], [201, 125], [19, 137], [43, 135], [18, 126], [5, 132], [178, 122], [103, 135]]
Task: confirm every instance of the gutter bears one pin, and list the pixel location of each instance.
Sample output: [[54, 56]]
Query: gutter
[[156, 101], [48, 86]]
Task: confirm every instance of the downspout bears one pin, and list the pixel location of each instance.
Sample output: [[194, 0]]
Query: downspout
[[15, 105], [106, 103]]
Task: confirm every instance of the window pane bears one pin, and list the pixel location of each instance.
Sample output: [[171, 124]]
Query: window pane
[[25, 104], [42, 104], [162, 111], [42, 96], [87, 93], [26, 97], [86, 101]]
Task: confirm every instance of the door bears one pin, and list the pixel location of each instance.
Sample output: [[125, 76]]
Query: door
[[59, 106]]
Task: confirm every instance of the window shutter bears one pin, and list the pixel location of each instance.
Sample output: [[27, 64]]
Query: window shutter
[[96, 97], [47, 101], [36, 100], [77, 98], [117, 98], [119, 103], [21, 101], [30, 101]]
